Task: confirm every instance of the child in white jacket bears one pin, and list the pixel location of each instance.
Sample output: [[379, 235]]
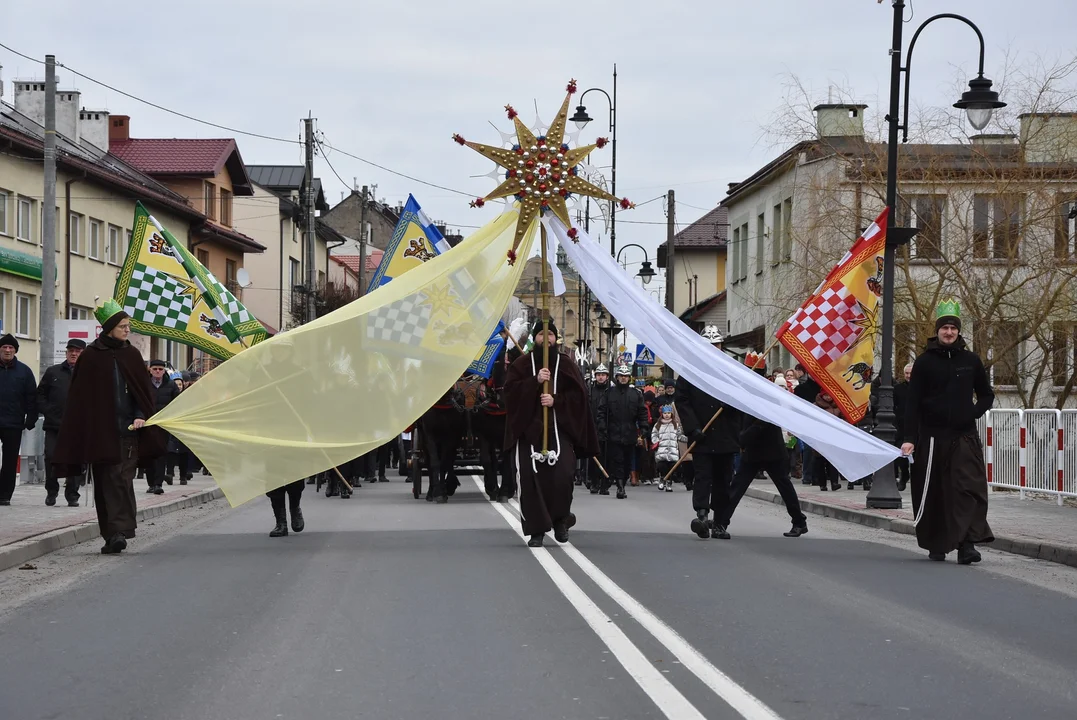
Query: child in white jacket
[[665, 437]]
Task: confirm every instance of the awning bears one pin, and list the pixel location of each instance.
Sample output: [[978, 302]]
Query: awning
[[21, 264]]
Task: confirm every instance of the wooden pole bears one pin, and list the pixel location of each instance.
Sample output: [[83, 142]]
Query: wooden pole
[[545, 344], [691, 447]]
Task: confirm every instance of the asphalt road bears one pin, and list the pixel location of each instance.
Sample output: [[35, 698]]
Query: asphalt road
[[387, 607]]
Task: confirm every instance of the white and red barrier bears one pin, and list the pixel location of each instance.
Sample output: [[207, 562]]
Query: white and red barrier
[[1031, 450]]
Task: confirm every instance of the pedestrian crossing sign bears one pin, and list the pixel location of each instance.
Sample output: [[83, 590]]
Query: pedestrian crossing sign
[[644, 355]]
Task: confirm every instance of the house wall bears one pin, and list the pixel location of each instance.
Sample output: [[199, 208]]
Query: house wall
[[346, 219], [90, 277], [708, 264], [259, 217]]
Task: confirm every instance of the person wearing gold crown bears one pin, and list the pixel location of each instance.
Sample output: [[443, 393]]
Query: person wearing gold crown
[[948, 391], [110, 399], [546, 478]]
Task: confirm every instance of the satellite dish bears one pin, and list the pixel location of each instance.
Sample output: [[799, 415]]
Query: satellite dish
[[243, 278]]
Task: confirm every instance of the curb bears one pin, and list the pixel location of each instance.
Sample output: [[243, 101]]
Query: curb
[[1062, 554], [25, 550]]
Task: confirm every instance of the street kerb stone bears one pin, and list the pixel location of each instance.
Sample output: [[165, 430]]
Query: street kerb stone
[[1041, 550], [22, 551]]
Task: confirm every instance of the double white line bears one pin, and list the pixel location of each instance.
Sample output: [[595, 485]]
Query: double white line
[[666, 697]]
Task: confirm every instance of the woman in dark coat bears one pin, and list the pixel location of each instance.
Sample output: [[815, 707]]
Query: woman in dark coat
[[110, 399]]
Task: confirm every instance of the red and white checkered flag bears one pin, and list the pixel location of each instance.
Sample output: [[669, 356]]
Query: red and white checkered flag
[[828, 325]]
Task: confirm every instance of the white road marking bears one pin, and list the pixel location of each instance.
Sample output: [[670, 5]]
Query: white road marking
[[747, 705], [665, 696]]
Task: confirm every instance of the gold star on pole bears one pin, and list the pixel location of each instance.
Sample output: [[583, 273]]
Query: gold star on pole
[[541, 172]]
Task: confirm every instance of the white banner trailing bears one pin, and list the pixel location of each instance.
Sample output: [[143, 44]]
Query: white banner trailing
[[852, 451]]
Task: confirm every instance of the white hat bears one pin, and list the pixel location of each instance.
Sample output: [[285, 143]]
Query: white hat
[[602, 369], [710, 334], [623, 370]]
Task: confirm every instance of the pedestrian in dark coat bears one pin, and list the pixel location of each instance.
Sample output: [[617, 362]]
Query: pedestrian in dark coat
[[591, 475], [107, 406], [762, 448], [164, 392], [622, 425], [714, 449], [948, 391], [823, 471], [52, 399], [18, 411]]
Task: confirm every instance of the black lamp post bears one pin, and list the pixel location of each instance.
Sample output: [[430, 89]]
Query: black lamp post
[[581, 118], [979, 102], [646, 272]]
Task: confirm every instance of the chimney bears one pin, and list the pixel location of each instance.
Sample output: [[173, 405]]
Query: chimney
[[1049, 137], [839, 120], [993, 139], [119, 128], [94, 127], [30, 101], [67, 114]]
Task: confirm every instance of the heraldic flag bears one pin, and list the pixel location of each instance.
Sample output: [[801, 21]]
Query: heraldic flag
[[833, 334], [415, 241], [170, 295]]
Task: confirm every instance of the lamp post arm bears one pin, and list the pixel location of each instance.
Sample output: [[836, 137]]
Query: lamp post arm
[[608, 99], [908, 61]]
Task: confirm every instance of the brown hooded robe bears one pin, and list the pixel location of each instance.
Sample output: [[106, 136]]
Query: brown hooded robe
[[546, 490]]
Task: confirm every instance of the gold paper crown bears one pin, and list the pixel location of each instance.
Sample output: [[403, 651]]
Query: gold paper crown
[[110, 308], [948, 308]]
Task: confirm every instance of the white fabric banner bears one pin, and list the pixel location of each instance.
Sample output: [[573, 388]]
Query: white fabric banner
[[551, 258], [852, 451]]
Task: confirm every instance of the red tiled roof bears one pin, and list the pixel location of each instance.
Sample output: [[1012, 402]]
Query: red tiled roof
[[174, 156], [373, 259]]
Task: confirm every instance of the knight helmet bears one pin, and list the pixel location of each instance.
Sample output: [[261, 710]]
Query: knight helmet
[[602, 369], [710, 334], [623, 370]]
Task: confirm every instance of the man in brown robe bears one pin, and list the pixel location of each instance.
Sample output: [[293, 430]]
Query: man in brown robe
[[949, 482], [546, 481], [109, 402]]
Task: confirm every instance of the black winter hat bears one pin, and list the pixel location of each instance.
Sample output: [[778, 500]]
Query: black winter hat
[[76, 344], [536, 329], [158, 363], [9, 339]]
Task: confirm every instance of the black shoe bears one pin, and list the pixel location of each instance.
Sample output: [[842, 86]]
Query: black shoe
[[115, 545], [297, 520], [183, 481], [621, 494], [168, 479], [50, 500], [441, 499], [149, 490], [73, 503], [901, 485], [535, 541], [382, 478], [719, 532], [158, 490], [967, 554], [837, 486], [822, 488], [936, 556], [797, 530], [848, 486], [281, 529], [345, 494], [502, 499], [578, 483], [604, 491], [701, 525], [205, 471], [189, 476], [560, 532]]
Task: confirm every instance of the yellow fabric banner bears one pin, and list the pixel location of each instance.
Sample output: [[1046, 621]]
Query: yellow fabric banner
[[331, 390]]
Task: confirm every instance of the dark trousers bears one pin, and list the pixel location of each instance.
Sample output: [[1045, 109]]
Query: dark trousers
[[664, 466], [52, 485], [10, 440], [114, 492], [714, 473], [778, 469], [294, 491], [824, 472], [155, 472], [619, 460], [809, 465]]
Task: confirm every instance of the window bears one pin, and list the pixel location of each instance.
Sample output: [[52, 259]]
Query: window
[[226, 208], [736, 256], [76, 234], [3, 212], [996, 226], [1063, 352], [1065, 228], [24, 231], [760, 242], [999, 345], [787, 228], [744, 252], [24, 305], [924, 212], [113, 252], [95, 239], [777, 237], [77, 312], [209, 201], [203, 257], [230, 269], [293, 273]]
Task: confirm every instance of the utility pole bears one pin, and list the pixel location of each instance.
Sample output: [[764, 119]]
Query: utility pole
[[362, 246], [47, 314], [671, 268], [308, 208]]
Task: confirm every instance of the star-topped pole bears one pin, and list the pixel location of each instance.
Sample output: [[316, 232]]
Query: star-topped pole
[[541, 172]]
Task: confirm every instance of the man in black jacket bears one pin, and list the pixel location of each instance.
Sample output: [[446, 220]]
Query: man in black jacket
[[52, 399], [807, 390], [164, 392], [712, 451], [949, 481], [763, 448], [592, 478], [622, 422], [18, 411]]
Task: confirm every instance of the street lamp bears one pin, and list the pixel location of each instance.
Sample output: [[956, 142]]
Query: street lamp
[[979, 102], [646, 272], [580, 119]]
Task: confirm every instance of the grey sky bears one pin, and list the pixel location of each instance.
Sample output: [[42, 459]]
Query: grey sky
[[391, 81]]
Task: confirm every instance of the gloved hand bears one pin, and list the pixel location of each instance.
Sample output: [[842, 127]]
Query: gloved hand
[[31, 423], [697, 436]]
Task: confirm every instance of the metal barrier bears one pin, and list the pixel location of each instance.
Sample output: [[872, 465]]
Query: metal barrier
[[1031, 450]]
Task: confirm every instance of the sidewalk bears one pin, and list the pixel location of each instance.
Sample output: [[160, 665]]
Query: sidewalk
[[30, 529], [1037, 528]]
